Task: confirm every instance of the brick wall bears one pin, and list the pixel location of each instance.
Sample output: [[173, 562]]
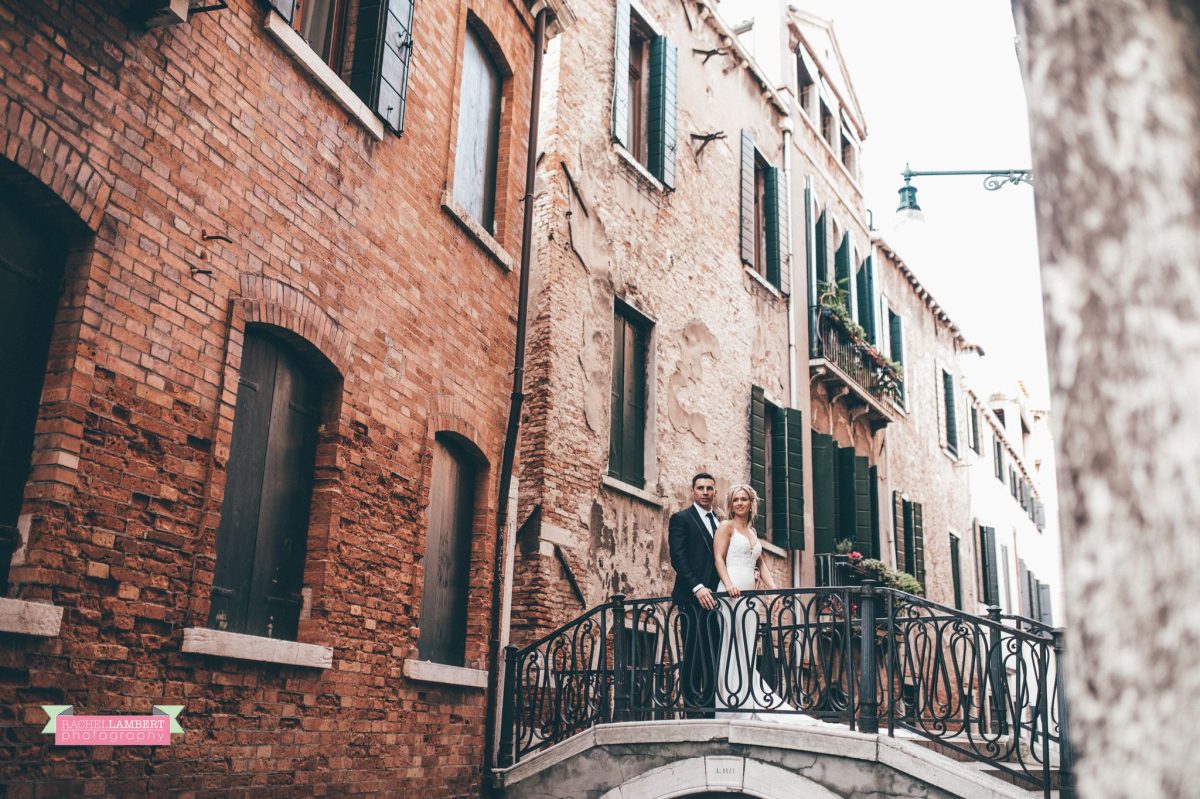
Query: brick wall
[[150, 141]]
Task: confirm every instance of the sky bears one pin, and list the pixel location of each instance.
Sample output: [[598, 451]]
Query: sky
[[940, 88]]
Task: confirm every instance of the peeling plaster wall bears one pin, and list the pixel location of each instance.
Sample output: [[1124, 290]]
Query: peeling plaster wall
[[674, 256]]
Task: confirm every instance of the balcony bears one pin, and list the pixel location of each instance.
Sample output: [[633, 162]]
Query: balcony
[[853, 372]]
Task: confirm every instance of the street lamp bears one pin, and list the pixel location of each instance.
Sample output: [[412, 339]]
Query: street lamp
[[993, 179]]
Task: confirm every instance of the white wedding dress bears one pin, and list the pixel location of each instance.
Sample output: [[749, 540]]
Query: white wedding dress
[[739, 685]]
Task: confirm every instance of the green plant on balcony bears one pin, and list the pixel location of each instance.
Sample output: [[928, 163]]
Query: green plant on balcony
[[834, 300], [887, 576]]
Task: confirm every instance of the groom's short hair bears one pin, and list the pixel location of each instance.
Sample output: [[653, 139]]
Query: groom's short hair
[[702, 476]]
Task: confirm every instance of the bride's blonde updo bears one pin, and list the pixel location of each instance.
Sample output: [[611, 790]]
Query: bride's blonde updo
[[753, 501]]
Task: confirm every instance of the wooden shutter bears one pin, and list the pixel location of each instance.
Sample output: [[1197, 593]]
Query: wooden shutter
[[1002, 565], [661, 126], [824, 459], [821, 253], [620, 117], [862, 505], [896, 335], [795, 479], [865, 285], [616, 435], [476, 156], [988, 565], [776, 244], [1022, 587], [626, 448], [956, 571], [909, 544], [758, 452], [872, 303], [263, 532], [778, 476], [444, 597], [285, 8], [873, 477], [747, 194], [841, 261], [1046, 616], [846, 493], [918, 516], [380, 62], [899, 534]]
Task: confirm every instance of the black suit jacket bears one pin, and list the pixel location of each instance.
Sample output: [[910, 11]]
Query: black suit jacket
[[691, 550]]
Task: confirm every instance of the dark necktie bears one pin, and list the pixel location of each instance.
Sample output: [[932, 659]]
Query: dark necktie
[[712, 524]]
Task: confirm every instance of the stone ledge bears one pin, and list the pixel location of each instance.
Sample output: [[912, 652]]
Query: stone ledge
[[763, 282], [639, 168], [469, 223], [219, 643], [20, 616], [427, 671], [625, 488], [311, 63]]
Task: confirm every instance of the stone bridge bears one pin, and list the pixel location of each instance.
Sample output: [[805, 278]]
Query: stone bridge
[[764, 760]]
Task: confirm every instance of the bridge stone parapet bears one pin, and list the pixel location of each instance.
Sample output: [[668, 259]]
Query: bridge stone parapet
[[764, 760]]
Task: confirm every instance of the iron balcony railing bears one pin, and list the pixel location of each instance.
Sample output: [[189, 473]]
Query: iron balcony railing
[[863, 656], [832, 342]]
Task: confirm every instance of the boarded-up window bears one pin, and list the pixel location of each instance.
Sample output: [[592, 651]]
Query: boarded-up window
[[31, 268], [447, 561], [627, 434], [475, 157], [261, 540]]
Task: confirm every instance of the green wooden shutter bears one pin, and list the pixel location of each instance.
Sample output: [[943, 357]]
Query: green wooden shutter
[[795, 478], [876, 550], [776, 245], [778, 476], [862, 505], [988, 565], [1045, 616], [747, 205], [616, 433], [956, 571], [782, 220], [758, 452], [824, 459], [918, 516], [909, 545], [896, 332], [864, 284], [821, 254], [899, 535], [841, 261], [620, 117], [871, 327], [951, 412], [633, 452], [382, 49], [662, 122]]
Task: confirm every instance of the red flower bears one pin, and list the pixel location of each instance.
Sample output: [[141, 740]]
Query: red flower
[[855, 555]]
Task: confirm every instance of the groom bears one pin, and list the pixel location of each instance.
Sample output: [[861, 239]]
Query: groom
[[690, 541]]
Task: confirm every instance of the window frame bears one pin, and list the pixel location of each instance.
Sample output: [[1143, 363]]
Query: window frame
[[492, 217], [633, 469]]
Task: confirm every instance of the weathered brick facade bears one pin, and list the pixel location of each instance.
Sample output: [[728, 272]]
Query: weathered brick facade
[[145, 143], [608, 231]]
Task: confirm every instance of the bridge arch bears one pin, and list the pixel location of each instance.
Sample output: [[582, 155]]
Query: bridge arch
[[730, 775]]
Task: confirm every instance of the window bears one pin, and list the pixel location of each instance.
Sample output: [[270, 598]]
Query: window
[[848, 152], [777, 470], [865, 285], [444, 599], [908, 521], [974, 431], [806, 84], [998, 452], [644, 94], [828, 125], [951, 412], [367, 43], [263, 534], [1007, 580], [763, 217], [627, 435], [32, 258], [896, 333], [476, 156], [956, 572]]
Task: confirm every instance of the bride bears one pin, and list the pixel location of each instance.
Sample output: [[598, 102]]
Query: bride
[[738, 556]]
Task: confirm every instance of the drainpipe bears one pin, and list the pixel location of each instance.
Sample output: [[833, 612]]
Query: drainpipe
[[793, 391], [514, 408]]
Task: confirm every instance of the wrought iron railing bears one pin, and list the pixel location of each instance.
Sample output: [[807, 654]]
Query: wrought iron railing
[[981, 687], [834, 343]]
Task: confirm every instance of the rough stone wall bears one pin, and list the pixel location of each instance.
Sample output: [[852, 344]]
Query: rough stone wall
[[914, 461], [153, 139], [674, 256]]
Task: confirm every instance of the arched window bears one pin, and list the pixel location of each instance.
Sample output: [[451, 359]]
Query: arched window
[[477, 153], [263, 534], [32, 257], [443, 625]]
